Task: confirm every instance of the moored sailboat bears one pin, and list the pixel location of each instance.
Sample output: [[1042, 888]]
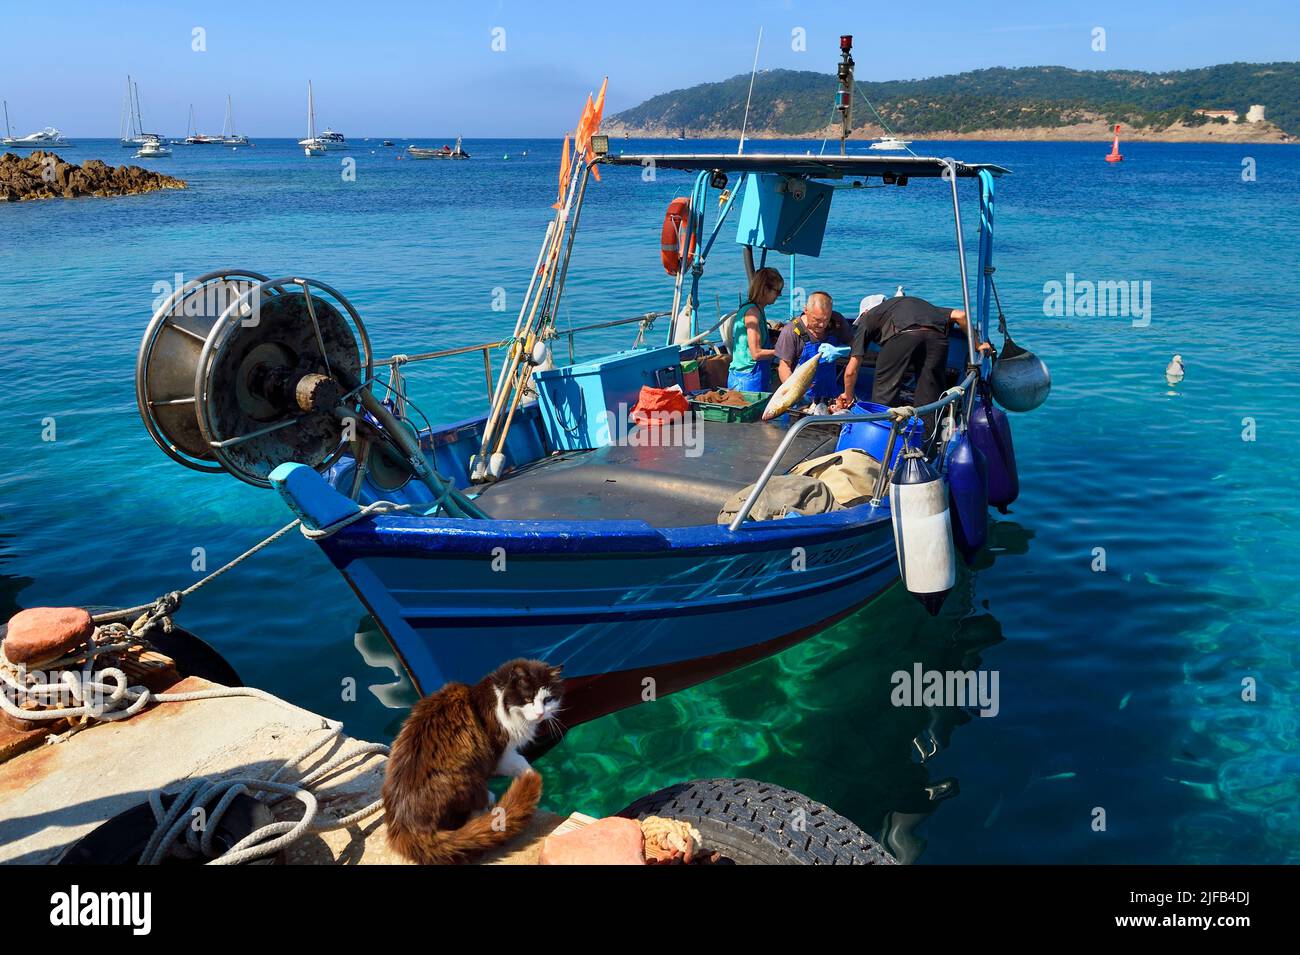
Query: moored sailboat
[[195, 138], [228, 135], [131, 135], [312, 145]]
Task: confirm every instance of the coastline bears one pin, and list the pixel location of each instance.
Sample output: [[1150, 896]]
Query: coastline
[[1093, 131]]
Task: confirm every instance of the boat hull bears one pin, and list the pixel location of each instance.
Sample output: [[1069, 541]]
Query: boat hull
[[632, 612], [41, 144]]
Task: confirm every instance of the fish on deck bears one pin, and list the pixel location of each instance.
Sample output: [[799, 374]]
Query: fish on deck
[[792, 389]]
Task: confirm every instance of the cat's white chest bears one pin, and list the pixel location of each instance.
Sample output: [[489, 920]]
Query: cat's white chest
[[511, 763]]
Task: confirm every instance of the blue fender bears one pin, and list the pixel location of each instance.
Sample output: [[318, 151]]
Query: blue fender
[[968, 496], [990, 431]]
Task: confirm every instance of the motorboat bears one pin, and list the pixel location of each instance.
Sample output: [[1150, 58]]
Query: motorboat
[[443, 152], [49, 136], [153, 149], [890, 144]]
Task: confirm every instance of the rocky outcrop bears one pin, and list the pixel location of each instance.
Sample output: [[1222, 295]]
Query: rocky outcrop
[[42, 175]]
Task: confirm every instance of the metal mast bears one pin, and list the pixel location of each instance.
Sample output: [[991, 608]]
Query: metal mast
[[844, 95]]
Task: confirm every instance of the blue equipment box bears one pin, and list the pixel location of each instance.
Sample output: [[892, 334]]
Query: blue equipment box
[[583, 405], [784, 213]]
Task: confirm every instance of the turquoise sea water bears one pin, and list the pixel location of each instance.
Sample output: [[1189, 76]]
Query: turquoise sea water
[[1120, 690]]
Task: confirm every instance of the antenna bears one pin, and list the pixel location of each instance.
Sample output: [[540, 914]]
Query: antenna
[[752, 73]]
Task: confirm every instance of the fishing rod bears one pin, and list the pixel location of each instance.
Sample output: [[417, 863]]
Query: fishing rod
[[517, 367]]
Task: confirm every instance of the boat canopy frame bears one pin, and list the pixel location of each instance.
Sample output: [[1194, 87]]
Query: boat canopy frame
[[713, 168]]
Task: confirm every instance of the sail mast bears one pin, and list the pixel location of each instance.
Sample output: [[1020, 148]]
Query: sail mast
[[227, 128], [9, 133], [139, 119], [311, 113]]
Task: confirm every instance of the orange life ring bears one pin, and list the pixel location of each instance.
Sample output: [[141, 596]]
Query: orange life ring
[[670, 243]]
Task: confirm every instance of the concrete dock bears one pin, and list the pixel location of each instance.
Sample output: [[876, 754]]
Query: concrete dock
[[53, 795]]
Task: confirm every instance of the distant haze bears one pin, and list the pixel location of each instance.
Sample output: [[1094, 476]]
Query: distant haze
[[430, 69]]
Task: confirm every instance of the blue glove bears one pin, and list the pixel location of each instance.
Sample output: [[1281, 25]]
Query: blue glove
[[828, 352]]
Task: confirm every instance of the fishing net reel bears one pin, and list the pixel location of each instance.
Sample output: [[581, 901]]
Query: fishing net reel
[[241, 373]]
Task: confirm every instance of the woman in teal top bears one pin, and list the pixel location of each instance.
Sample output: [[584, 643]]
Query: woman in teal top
[[751, 355]]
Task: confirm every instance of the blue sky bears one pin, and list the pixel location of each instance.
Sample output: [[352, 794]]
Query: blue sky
[[403, 68]]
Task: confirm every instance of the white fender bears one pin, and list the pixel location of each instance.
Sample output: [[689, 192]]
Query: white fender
[[927, 559]]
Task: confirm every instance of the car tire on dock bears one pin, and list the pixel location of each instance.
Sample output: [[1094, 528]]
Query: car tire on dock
[[754, 823]]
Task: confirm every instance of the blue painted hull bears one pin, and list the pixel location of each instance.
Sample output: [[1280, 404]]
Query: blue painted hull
[[615, 602]]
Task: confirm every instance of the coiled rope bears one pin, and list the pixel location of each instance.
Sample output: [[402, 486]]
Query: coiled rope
[[104, 695]]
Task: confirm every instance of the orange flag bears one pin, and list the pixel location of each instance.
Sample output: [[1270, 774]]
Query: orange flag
[[584, 127], [597, 111], [564, 174]]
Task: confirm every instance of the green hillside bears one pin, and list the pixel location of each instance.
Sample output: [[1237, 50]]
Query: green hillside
[[794, 103]]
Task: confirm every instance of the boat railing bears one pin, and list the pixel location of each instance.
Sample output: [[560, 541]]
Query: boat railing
[[486, 348], [894, 415]]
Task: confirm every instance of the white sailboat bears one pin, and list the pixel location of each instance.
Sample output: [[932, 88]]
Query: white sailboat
[[312, 145], [49, 136], [132, 134], [228, 135], [195, 138]]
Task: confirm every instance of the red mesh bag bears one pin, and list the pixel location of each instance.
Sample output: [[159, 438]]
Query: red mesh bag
[[655, 405]]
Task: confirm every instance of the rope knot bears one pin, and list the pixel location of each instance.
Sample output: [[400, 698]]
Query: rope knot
[[168, 604]]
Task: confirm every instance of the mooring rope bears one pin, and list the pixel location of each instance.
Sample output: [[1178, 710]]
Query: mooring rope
[[161, 609], [169, 603], [104, 695]]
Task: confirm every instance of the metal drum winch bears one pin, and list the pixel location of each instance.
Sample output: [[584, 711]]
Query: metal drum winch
[[240, 373]]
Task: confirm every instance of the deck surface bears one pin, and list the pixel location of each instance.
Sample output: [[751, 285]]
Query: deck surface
[[675, 483]]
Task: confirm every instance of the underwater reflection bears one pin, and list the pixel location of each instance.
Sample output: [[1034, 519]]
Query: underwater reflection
[[913, 737], [375, 650]]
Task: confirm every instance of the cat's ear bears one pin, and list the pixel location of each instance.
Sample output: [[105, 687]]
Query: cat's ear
[[556, 671]]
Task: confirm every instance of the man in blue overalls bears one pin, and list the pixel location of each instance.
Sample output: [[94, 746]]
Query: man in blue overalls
[[804, 337]]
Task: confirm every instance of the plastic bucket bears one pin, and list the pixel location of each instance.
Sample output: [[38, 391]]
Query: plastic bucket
[[873, 436]]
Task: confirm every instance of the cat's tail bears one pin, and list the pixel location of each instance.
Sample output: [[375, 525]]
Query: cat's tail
[[501, 823]]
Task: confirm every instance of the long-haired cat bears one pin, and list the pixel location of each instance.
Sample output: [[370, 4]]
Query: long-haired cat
[[435, 786]]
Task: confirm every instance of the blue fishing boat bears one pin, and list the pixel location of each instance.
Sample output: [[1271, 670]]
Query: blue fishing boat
[[553, 526]]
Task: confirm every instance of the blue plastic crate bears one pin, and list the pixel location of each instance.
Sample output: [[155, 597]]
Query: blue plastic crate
[[580, 402]]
